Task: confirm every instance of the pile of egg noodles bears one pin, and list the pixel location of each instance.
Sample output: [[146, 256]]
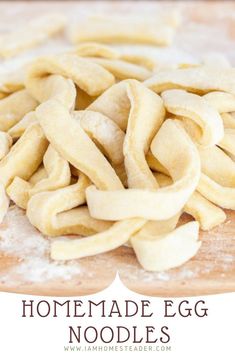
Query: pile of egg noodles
[[100, 142]]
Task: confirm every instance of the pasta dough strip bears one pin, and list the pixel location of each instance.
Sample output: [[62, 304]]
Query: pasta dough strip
[[53, 214], [25, 156], [217, 178], [58, 176], [228, 141], [119, 30], [143, 123], [82, 154], [114, 103], [206, 213], [18, 129], [52, 86], [123, 70], [115, 236], [199, 80], [223, 102], [163, 252], [90, 77], [5, 144], [145, 203], [193, 107], [14, 107], [104, 132], [30, 35]]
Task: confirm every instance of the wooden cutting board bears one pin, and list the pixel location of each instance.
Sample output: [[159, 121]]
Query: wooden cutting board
[[208, 26]]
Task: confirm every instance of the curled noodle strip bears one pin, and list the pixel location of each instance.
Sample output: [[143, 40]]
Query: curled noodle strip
[[56, 212], [89, 159], [14, 107], [198, 80], [223, 102], [57, 175], [118, 30], [138, 137], [206, 213], [144, 203], [161, 252], [88, 76], [193, 107], [25, 156], [22, 160], [217, 179], [104, 132]]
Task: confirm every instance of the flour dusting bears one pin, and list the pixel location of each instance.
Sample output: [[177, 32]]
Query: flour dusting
[[19, 238]]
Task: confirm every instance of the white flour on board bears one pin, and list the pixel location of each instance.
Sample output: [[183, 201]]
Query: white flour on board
[[19, 238]]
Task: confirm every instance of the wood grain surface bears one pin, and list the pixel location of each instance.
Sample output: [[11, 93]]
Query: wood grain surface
[[212, 270]]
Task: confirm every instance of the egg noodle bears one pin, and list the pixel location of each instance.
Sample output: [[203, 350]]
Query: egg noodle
[[102, 142]]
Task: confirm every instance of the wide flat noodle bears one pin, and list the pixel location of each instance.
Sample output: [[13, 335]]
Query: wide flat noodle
[[198, 80], [57, 176], [104, 132], [206, 213], [194, 107], [142, 126], [117, 235], [34, 33], [228, 141], [25, 156], [12, 81], [97, 50], [83, 154], [90, 77], [150, 57], [54, 212], [114, 103], [123, 70], [5, 144], [14, 107], [145, 203], [52, 86], [122, 30], [217, 179], [223, 102], [19, 128], [163, 252]]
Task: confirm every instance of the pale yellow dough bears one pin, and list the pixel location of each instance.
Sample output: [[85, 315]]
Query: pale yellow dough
[[14, 107], [163, 252], [194, 107], [82, 153], [57, 175], [206, 213], [25, 156], [114, 142], [54, 212], [122, 30], [35, 32], [144, 203], [217, 179], [200, 80]]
